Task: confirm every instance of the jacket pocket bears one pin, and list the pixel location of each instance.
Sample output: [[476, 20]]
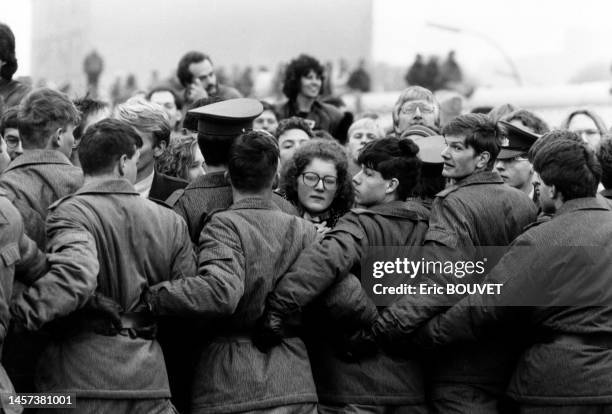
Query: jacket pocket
[[10, 254]]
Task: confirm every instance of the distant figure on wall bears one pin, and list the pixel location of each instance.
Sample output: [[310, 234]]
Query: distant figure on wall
[[93, 65]]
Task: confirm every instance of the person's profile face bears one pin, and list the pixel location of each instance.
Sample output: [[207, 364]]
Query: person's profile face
[[13, 142], [196, 168], [460, 160]]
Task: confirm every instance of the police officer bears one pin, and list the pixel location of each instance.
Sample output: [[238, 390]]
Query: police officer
[[219, 124], [512, 163]]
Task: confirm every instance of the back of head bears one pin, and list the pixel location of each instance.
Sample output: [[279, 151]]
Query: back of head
[[497, 113], [9, 119], [41, 113], [87, 107], [570, 166], [604, 155], [553, 135], [145, 116], [479, 132], [416, 93], [394, 158], [7, 52], [529, 120], [103, 145], [182, 72], [253, 161]]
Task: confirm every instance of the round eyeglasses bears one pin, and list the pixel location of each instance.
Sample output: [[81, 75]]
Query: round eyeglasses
[[311, 179]]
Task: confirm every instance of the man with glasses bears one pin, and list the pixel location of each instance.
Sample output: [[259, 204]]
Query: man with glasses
[[512, 163], [416, 106], [10, 132]]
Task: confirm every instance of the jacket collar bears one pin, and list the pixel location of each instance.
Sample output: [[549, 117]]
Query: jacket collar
[[482, 177], [210, 180], [586, 203], [108, 186], [254, 203], [39, 156], [606, 193], [402, 209]]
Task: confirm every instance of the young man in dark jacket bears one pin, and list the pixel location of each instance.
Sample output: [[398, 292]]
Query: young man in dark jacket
[[106, 239], [389, 174], [477, 210], [243, 251], [563, 290]]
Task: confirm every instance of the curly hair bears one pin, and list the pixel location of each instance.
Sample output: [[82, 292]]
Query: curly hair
[[298, 68], [325, 150], [177, 158], [295, 122]]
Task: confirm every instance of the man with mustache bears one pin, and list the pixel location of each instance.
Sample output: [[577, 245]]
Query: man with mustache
[[197, 75]]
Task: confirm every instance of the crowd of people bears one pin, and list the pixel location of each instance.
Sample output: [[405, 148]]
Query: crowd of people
[[196, 251]]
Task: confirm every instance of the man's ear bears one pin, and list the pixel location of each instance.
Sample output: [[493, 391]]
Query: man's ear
[[483, 159], [121, 165], [227, 176], [158, 150], [57, 137], [392, 186]]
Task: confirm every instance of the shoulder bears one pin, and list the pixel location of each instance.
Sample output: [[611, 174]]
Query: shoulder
[[332, 111], [227, 92]]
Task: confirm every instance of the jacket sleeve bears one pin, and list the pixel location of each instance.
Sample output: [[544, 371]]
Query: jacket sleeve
[[348, 305], [448, 225], [72, 276], [520, 272], [33, 263], [184, 258], [319, 266], [219, 285]]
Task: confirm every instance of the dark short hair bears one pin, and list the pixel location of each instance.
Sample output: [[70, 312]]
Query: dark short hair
[[104, 143], [9, 119], [479, 132], [298, 68], [604, 155], [253, 161], [500, 111], [183, 73], [327, 150], [570, 166], [7, 52], [41, 112], [536, 124], [87, 107], [161, 88], [549, 137], [394, 158], [295, 122]]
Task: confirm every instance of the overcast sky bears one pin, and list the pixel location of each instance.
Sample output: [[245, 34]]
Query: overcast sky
[[580, 30]]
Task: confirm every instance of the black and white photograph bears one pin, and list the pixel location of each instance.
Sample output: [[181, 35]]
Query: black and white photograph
[[305, 207]]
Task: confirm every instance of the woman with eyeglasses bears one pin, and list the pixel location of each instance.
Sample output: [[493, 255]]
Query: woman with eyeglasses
[[317, 182]]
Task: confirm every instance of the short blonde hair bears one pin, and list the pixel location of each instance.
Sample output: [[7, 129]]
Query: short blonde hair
[[145, 116], [415, 93], [366, 123]]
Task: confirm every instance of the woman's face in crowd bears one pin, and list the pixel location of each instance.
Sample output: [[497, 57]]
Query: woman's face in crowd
[[316, 185], [358, 139], [289, 141], [586, 128], [196, 169], [311, 85], [266, 121]]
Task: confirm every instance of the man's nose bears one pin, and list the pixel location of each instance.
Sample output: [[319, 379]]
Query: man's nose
[[417, 113]]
